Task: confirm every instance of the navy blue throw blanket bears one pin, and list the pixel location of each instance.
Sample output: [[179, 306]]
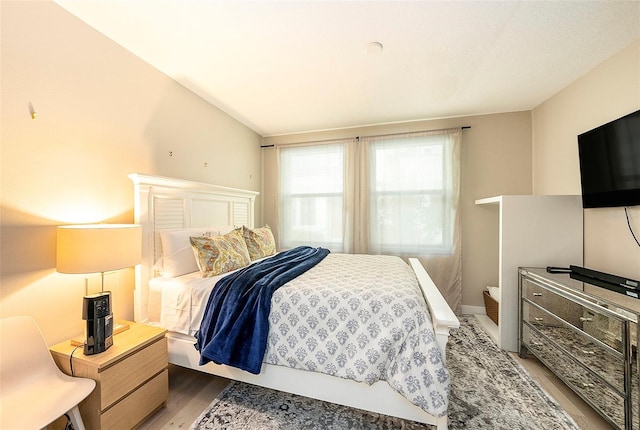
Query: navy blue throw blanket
[[235, 325]]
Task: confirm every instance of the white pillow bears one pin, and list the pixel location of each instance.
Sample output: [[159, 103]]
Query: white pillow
[[224, 229], [177, 254]]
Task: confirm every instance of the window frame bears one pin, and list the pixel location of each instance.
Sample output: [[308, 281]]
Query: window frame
[[444, 193]]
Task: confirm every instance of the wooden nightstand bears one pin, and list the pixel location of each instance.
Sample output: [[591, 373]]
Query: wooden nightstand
[[131, 377]]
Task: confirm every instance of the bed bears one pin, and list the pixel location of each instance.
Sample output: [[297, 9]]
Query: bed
[[164, 204]]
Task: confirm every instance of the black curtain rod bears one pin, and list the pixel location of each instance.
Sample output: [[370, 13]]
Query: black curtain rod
[[464, 127]]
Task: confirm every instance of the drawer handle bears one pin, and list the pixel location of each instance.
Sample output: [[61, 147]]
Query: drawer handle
[[538, 319], [585, 319], [589, 352], [587, 385], [537, 294]]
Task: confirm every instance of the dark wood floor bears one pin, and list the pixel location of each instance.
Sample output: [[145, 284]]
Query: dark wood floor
[[190, 392]]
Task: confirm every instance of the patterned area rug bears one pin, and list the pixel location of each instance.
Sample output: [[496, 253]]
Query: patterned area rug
[[490, 390]]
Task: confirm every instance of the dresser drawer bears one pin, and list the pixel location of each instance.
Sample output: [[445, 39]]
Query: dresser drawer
[[131, 410], [588, 385], [603, 361], [124, 376], [552, 302], [588, 320]]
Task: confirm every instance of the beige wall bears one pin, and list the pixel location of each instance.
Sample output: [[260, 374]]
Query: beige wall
[[496, 159], [609, 91], [101, 113]]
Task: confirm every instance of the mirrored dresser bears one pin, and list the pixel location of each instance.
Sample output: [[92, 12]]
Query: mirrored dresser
[[586, 337]]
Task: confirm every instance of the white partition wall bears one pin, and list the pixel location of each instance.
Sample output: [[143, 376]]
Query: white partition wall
[[535, 231]]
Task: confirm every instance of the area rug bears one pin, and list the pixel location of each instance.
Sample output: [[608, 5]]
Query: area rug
[[489, 390]]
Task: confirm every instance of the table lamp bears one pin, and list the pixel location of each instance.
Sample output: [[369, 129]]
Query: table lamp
[[98, 248]]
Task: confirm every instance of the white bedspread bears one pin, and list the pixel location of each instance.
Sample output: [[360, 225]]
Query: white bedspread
[[360, 317]]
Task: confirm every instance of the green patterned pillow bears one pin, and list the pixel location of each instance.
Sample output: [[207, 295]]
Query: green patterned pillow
[[260, 242], [220, 254]]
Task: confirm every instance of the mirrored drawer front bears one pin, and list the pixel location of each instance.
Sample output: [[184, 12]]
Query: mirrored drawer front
[[590, 387], [603, 328], [553, 302], [579, 345]]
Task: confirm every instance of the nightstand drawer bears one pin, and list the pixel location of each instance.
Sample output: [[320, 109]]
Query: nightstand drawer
[[125, 375], [138, 405]]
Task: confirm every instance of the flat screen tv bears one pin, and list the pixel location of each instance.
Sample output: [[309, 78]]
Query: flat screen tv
[[610, 163]]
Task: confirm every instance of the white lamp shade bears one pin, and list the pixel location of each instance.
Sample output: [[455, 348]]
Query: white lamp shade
[[98, 247]]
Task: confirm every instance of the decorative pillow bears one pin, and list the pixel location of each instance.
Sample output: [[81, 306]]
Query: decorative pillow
[[220, 254], [260, 242], [177, 254]]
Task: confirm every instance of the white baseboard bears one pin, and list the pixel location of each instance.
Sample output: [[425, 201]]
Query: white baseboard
[[487, 324], [473, 310], [490, 327]]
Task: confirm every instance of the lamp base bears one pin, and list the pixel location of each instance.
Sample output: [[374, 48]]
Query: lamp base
[[96, 311], [99, 335], [118, 328]]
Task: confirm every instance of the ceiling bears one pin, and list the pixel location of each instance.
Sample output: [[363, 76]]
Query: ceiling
[[284, 67]]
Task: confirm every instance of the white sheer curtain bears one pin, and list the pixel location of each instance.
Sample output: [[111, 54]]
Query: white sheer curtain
[[313, 199], [408, 202], [395, 194]]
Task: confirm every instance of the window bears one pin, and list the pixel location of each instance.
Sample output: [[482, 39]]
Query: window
[[311, 196], [393, 194], [410, 195]]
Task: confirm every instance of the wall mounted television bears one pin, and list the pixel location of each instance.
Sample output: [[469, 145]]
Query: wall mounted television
[[610, 163]]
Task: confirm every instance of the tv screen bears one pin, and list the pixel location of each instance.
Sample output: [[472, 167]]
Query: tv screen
[[610, 163]]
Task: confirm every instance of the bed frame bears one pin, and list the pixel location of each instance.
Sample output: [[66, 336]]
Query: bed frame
[[161, 203]]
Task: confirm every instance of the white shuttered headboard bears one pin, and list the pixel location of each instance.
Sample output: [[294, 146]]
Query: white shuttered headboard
[[163, 203]]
